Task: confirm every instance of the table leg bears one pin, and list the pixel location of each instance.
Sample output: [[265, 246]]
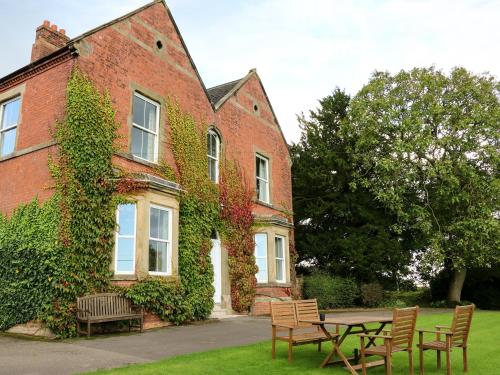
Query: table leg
[[372, 340]]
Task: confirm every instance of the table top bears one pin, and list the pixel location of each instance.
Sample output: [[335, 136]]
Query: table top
[[351, 321]]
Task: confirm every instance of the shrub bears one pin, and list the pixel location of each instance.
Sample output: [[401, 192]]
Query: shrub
[[372, 294], [330, 291], [419, 297]]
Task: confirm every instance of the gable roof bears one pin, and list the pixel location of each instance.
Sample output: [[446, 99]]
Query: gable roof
[[71, 45], [220, 94], [216, 93]]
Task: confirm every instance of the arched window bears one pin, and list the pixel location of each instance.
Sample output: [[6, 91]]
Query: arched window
[[213, 146]]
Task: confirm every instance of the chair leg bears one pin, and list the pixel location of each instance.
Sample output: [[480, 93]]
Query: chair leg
[[389, 365], [421, 359], [438, 358], [448, 362], [273, 350], [363, 359], [466, 367], [410, 358], [290, 348]]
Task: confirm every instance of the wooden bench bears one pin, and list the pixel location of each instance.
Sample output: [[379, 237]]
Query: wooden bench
[[285, 317], [106, 307]]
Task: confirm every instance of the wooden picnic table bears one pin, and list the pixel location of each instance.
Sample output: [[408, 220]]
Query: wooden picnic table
[[355, 324]]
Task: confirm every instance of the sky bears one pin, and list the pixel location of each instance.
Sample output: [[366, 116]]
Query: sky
[[302, 50]]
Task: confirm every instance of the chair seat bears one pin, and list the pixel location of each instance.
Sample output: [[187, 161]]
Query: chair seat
[[436, 345], [381, 350], [307, 337]]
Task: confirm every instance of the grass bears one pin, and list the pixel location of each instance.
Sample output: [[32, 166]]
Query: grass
[[484, 355]]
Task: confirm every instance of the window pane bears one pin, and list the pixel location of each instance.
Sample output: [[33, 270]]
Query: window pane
[[11, 113], [126, 219], [212, 165], [261, 167], [279, 270], [138, 111], [7, 142], [262, 272], [153, 250], [261, 245], [162, 257], [163, 225], [154, 222], [125, 255], [136, 141], [278, 243], [150, 117], [261, 190], [148, 144]]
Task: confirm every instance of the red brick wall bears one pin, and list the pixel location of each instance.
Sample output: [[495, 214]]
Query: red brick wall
[[43, 102], [245, 132], [267, 294]]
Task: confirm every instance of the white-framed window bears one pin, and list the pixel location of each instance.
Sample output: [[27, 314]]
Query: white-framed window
[[145, 128], [213, 153], [261, 257], [279, 248], [9, 119], [125, 239], [160, 243], [262, 178]]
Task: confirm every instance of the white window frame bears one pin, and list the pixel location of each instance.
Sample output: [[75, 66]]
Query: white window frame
[[156, 133], [266, 258], [168, 242], [283, 260], [265, 181], [2, 131], [134, 237], [211, 132]]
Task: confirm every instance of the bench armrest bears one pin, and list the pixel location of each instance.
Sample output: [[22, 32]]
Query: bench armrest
[[431, 331], [284, 326]]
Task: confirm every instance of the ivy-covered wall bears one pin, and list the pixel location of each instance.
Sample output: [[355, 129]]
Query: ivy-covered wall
[[52, 253]]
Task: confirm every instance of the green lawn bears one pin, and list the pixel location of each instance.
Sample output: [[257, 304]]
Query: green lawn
[[484, 356]]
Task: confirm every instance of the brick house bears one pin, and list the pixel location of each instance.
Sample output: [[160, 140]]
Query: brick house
[[141, 59]]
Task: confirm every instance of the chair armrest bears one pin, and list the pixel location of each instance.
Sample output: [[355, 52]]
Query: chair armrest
[[442, 327], [374, 336], [284, 326], [431, 331]]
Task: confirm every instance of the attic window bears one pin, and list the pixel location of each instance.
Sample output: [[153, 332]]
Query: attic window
[[159, 44]]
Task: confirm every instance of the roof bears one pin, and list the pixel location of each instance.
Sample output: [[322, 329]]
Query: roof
[[216, 93]]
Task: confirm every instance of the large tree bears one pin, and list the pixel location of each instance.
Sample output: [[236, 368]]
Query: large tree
[[339, 230], [431, 144]]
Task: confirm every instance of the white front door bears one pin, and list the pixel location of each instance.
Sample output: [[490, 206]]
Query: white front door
[[215, 254]]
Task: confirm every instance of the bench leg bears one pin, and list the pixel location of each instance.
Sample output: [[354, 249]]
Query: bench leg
[[319, 346], [273, 349], [142, 324], [88, 328], [129, 325]]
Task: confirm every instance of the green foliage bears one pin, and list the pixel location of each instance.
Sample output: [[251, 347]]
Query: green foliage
[[342, 230], [199, 211], [372, 294], [162, 297], [237, 217], [430, 142], [330, 291], [30, 261], [420, 297]]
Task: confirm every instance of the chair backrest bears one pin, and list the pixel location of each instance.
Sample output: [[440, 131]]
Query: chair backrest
[[283, 313], [403, 326], [461, 324], [103, 304], [306, 309]]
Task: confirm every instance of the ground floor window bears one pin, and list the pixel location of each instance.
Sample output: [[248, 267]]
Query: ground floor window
[[261, 257], [160, 229], [125, 239], [279, 247]]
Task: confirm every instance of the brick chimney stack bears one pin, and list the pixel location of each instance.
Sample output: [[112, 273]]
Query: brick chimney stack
[[48, 39]]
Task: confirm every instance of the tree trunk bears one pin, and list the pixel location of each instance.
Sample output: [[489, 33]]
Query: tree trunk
[[456, 284]]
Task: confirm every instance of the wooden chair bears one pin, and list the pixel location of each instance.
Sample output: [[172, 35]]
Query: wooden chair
[[398, 339], [285, 318], [455, 336]]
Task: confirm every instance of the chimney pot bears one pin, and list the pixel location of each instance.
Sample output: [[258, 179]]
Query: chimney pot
[[48, 39], [62, 31], [46, 23], [53, 27]]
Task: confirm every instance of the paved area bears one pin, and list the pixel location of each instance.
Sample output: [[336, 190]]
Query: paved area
[[34, 357]]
